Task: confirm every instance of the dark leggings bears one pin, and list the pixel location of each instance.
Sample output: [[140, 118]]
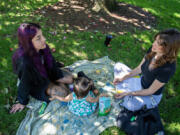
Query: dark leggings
[[61, 88]]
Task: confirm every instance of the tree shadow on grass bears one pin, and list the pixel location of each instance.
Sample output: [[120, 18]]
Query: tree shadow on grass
[[78, 15]]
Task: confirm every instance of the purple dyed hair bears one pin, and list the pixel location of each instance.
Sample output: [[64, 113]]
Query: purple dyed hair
[[26, 33]]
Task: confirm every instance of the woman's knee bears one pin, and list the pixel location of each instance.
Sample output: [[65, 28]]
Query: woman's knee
[[70, 79], [60, 90]]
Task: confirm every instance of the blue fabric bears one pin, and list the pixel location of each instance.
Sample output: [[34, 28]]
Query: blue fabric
[[81, 107]]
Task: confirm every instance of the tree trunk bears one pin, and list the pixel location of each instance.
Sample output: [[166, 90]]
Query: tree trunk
[[111, 5], [107, 5]]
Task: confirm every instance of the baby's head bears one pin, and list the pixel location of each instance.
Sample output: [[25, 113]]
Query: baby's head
[[82, 86]]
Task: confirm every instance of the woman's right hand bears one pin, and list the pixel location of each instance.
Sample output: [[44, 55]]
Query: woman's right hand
[[17, 107], [118, 80], [121, 95]]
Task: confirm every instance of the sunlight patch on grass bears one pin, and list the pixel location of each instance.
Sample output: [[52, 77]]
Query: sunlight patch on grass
[[4, 62], [75, 43], [134, 35], [145, 38], [51, 45], [178, 55], [173, 127], [6, 22], [17, 14], [177, 15], [151, 10], [171, 90], [12, 14], [62, 52], [3, 3], [80, 54], [26, 7], [16, 46]]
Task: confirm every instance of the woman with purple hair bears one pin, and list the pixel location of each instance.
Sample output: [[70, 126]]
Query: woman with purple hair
[[36, 68]]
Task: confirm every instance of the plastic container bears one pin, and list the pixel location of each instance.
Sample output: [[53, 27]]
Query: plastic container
[[43, 107], [104, 106], [108, 40]]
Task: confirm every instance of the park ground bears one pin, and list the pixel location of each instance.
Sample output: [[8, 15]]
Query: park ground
[[75, 32]]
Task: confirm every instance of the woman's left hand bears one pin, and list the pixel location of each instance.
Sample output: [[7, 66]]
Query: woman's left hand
[[17, 107], [121, 95]]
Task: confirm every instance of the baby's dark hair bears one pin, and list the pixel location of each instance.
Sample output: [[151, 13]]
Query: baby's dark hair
[[82, 86]]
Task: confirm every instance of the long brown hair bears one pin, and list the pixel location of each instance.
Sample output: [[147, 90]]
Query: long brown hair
[[170, 41]]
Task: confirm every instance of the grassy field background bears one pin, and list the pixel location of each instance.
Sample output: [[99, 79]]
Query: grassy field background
[[128, 48]]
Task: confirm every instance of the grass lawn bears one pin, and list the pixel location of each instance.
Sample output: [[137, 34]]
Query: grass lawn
[[74, 45]]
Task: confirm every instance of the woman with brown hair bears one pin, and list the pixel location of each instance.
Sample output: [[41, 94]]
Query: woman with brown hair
[[156, 68]]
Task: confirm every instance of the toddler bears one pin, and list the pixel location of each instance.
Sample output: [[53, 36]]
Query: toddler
[[81, 101]]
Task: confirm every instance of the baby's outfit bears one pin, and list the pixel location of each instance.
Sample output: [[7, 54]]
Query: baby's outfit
[[81, 107]]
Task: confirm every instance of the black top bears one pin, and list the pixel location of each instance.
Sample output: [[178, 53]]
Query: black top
[[162, 74], [32, 82]]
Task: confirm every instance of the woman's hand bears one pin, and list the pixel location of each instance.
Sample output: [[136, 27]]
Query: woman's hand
[[17, 107], [121, 95], [118, 80]]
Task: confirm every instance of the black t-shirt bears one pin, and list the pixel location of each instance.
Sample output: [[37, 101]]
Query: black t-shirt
[[162, 74]]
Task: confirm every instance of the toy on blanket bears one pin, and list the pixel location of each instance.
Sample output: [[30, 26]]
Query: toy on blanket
[[111, 88], [98, 72], [43, 107], [119, 91], [104, 106]]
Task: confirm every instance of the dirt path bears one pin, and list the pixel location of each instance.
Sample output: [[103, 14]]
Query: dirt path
[[78, 15]]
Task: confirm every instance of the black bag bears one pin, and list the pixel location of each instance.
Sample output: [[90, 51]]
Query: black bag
[[142, 122]]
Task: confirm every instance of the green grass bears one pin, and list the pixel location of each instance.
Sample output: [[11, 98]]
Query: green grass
[[128, 48]]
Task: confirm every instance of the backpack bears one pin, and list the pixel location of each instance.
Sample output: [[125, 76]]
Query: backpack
[[142, 122]]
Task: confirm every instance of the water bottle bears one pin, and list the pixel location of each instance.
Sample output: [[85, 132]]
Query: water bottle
[[43, 107], [108, 40]]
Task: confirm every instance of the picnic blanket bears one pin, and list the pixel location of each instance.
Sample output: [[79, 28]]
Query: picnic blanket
[[58, 120]]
